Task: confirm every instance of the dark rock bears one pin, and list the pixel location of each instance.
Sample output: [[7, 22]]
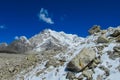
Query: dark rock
[[100, 48], [114, 54], [97, 60], [11, 69], [107, 71], [115, 33], [118, 39], [8, 51], [71, 66], [94, 29], [116, 49]]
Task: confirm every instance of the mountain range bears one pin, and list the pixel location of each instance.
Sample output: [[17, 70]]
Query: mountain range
[[51, 55]]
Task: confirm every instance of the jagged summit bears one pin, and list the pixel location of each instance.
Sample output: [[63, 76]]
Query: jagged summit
[[57, 38]]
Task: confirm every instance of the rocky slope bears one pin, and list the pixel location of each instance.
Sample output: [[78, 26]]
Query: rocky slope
[[52, 55]]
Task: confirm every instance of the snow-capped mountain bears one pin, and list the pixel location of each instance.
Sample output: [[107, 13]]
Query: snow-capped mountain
[[60, 56], [50, 38]]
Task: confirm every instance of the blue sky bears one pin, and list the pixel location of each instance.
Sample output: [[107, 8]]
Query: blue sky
[[29, 17]]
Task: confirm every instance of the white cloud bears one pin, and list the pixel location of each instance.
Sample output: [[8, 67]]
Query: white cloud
[[2, 27], [43, 15]]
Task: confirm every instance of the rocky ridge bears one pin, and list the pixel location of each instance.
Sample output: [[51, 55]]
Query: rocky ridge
[[52, 55]]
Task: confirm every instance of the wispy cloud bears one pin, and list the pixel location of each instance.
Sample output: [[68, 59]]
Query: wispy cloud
[[16, 37], [43, 15], [2, 27]]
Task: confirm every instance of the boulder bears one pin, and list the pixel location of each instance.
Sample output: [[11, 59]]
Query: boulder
[[116, 49], [11, 69], [82, 60], [105, 69], [118, 38], [115, 54], [115, 33], [102, 39], [94, 29]]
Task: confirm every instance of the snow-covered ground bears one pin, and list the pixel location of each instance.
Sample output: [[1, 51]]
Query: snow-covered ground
[[108, 63]]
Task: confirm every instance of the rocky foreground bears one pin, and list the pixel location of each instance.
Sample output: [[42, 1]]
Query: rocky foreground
[[52, 55]]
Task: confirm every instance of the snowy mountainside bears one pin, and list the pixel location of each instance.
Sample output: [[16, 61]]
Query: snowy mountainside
[[105, 66], [64, 56], [49, 36]]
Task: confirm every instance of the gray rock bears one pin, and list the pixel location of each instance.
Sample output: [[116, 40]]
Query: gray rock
[[114, 54], [11, 69], [82, 60], [99, 77], [118, 68], [100, 48], [115, 33], [97, 60], [116, 48], [118, 39], [107, 71], [70, 76], [94, 29], [88, 74], [102, 39]]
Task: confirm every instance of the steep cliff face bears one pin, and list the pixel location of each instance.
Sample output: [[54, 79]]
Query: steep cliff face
[[52, 55]]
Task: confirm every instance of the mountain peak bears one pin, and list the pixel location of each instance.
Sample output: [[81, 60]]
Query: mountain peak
[[58, 38]]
